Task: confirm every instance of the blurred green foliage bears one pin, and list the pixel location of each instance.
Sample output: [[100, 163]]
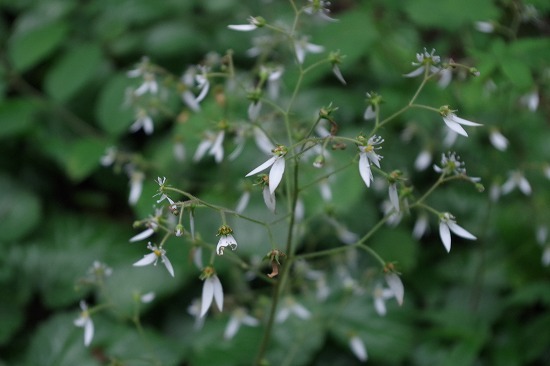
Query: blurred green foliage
[[62, 103]]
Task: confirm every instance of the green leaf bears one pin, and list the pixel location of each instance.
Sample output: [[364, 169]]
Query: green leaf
[[32, 46], [16, 117], [83, 157], [20, 210], [74, 70], [114, 117], [517, 72]]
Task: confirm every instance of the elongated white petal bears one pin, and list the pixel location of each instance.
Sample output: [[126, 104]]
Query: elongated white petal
[[207, 296], [524, 186], [269, 199], [218, 292], [202, 149], [250, 321], [394, 196], [380, 306], [143, 235], [88, 332], [374, 158], [460, 231], [358, 348], [463, 121], [264, 166], [276, 173], [396, 287], [146, 260], [300, 311], [232, 327], [189, 99], [282, 315], [364, 168], [415, 73], [168, 265], [445, 235], [242, 27], [243, 202], [455, 126]]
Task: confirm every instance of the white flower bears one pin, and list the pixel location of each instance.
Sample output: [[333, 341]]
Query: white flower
[[447, 224], [451, 164], [273, 80], [211, 290], [445, 78], [253, 23], [254, 109], [394, 196], [277, 164], [454, 122], [85, 321], [269, 199], [292, 307], [238, 317], [326, 192], [149, 84], [189, 79], [342, 232], [100, 270], [319, 8], [262, 141], [484, 27], [423, 160], [369, 113], [425, 61], [498, 140], [213, 143], [143, 121], [147, 298], [243, 202], [368, 155], [152, 258], [109, 157], [226, 241], [145, 233], [396, 286], [194, 310], [302, 47], [516, 179], [358, 348]]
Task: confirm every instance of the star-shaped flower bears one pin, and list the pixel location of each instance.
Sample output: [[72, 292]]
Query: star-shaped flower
[[425, 61], [152, 258], [277, 164], [368, 155], [211, 290], [238, 317], [454, 122], [447, 224]]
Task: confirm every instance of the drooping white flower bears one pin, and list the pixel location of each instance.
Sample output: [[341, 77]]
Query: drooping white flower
[[369, 113], [145, 233], [447, 224], [149, 85], [195, 77], [498, 140], [143, 121], [425, 61], [253, 23], [213, 143], [85, 321], [274, 81], [292, 307], [530, 100], [358, 348], [243, 202], [445, 78], [194, 309], [302, 47], [226, 239], [238, 317], [109, 157], [396, 287], [454, 122], [380, 296], [136, 186], [262, 141], [368, 155], [277, 164], [320, 9], [394, 196], [254, 109], [516, 179], [211, 290], [147, 297], [152, 258], [421, 226], [326, 192]]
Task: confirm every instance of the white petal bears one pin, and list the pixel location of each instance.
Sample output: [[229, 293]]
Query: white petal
[[264, 166], [508, 186], [197, 257], [146, 260], [217, 147], [314, 48], [88, 332], [276, 173], [423, 160], [524, 186], [420, 227], [396, 287], [374, 158], [254, 110], [336, 71], [301, 312], [218, 292], [201, 150], [207, 295], [143, 235], [445, 235], [269, 199], [394, 197], [203, 92], [243, 202], [282, 315], [189, 99], [463, 121], [242, 27], [300, 52], [498, 140], [415, 73], [364, 168], [250, 321], [358, 348], [232, 328], [460, 231], [455, 126], [380, 306], [168, 265]]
